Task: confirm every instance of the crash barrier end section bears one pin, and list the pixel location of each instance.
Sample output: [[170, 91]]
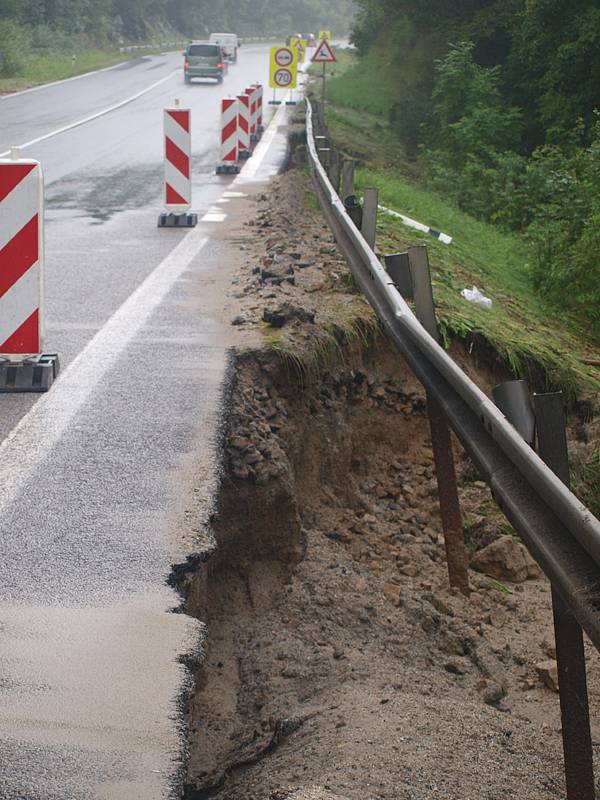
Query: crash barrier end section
[[229, 137], [178, 169], [23, 365]]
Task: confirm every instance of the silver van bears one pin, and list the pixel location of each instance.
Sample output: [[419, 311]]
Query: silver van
[[229, 44], [203, 60]]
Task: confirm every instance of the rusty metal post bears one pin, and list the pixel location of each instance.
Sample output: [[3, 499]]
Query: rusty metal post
[[441, 440], [369, 220], [570, 653], [397, 266]]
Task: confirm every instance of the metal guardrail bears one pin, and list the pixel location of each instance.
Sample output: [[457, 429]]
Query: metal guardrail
[[131, 48], [560, 532]]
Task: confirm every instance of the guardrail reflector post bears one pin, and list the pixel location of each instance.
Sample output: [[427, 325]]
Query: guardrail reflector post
[[23, 366], [178, 170], [229, 137], [441, 440], [243, 126], [570, 653]]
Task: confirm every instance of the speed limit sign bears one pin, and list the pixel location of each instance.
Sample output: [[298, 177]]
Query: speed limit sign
[[283, 73], [283, 78]]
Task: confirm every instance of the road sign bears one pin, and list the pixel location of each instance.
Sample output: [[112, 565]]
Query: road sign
[[299, 45], [324, 53], [325, 35], [282, 56], [283, 73]]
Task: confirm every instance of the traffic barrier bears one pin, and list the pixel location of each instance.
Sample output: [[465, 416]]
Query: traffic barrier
[[260, 128], [252, 94], [243, 126], [178, 170], [229, 137], [23, 367]]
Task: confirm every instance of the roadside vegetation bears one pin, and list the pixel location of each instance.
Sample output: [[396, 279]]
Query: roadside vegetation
[[523, 332], [45, 40], [495, 103]]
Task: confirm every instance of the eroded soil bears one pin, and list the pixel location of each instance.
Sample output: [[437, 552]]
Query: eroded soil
[[339, 662]]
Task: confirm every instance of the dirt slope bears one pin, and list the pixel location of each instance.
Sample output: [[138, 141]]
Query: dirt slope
[[339, 663]]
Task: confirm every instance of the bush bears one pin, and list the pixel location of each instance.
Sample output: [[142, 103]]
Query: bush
[[14, 48]]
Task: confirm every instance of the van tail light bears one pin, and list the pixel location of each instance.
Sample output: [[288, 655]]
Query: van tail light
[[186, 64], [220, 66]]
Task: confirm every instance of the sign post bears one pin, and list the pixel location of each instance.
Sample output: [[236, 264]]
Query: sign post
[[283, 71], [324, 55]]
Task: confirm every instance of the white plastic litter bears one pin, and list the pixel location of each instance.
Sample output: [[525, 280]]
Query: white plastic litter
[[474, 296]]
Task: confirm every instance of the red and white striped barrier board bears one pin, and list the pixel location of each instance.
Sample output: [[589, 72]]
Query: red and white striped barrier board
[[259, 112], [229, 130], [243, 126], [21, 259], [252, 93], [178, 169], [229, 136]]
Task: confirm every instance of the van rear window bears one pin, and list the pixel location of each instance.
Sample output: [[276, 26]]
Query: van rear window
[[203, 50]]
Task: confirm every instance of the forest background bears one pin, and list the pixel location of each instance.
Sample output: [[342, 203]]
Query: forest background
[[31, 29]]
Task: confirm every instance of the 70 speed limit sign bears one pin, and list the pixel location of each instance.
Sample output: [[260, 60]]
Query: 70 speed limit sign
[[283, 72]]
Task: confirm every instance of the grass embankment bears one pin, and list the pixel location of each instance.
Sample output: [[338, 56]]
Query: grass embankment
[[534, 340]]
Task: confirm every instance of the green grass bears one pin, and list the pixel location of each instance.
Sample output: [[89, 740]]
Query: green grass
[[58, 66], [527, 336], [522, 334], [365, 86]]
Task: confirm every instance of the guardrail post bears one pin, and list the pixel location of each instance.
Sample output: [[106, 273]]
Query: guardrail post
[[397, 266], [347, 177], [570, 654], [335, 169], [441, 441], [369, 220]]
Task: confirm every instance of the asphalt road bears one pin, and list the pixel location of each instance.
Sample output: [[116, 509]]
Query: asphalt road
[[107, 480]]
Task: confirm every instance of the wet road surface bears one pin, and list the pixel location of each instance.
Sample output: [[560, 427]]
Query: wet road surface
[[107, 480]]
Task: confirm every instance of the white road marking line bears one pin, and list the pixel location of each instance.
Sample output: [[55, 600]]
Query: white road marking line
[[37, 433], [98, 114], [212, 217], [235, 194], [57, 83], [252, 166]]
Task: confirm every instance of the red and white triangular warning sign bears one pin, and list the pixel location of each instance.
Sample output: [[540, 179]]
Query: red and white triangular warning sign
[[324, 53]]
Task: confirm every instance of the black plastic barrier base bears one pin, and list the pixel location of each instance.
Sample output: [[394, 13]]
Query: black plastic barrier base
[[177, 220], [35, 374], [228, 169]]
